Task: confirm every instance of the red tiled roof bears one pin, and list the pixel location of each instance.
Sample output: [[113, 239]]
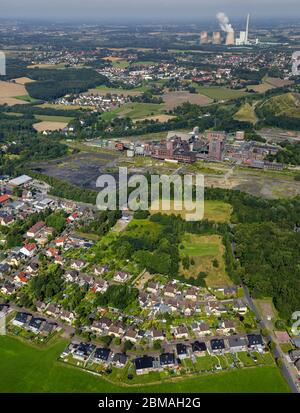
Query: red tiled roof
[[4, 198]]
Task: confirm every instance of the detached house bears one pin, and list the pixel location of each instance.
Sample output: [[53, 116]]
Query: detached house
[[121, 277], [35, 229], [29, 250], [181, 332]]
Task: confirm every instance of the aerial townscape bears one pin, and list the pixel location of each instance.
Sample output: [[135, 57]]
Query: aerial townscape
[[147, 301]]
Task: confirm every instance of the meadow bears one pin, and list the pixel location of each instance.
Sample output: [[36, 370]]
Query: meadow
[[28, 369], [220, 93], [202, 251], [134, 111]]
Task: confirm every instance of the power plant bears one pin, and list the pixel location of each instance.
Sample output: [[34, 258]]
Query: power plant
[[243, 39], [228, 38]]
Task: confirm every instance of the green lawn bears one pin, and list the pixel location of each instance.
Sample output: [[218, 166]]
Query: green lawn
[[27, 369]]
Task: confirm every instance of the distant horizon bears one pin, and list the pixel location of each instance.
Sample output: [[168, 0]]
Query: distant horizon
[[146, 10]]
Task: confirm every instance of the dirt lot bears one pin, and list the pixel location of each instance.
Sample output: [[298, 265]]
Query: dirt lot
[[8, 92], [51, 126], [174, 99], [81, 169]]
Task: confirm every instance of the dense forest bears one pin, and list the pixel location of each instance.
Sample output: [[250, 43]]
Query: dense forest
[[51, 83]]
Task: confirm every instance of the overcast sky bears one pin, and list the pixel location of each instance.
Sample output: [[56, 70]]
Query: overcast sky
[[158, 10]]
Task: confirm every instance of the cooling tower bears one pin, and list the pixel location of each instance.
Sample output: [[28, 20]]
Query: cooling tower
[[216, 39], [230, 39], [203, 38]]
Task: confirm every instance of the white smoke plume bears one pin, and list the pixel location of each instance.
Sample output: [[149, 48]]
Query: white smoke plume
[[224, 23]]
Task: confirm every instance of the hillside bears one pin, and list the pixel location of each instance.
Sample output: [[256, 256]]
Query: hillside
[[287, 104]]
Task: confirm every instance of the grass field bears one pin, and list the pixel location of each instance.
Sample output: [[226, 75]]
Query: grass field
[[220, 93], [134, 111], [103, 90], [28, 370], [246, 114], [217, 211], [203, 249]]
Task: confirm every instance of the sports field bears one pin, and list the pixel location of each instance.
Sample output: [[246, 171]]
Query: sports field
[[27, 369]]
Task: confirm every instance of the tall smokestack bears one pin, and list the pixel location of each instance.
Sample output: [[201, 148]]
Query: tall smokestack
[[247, 29]]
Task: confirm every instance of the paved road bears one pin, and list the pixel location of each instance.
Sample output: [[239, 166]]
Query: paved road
[[286, 369]]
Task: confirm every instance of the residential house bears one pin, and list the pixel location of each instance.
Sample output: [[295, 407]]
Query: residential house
[[255, 341], [116, 330], [217, 345], [237, 344], [181, 332], [71, 276], [29, 250], [35, 229], [227, 326], [35, 325], [144, 365], [181, 350], [191, 294], [131, 335], [156, 334], [40, 306], [101, 270], [101, 355], [119, 360], [53, 310], [78, 264], [121, 277], [240, 307], [67, 316], [153, 287], [170, 291], [101, 326], [100, 286], [167, 360], [84, 351], [199, 348], [294, 355], [8, 288], [21, 319]]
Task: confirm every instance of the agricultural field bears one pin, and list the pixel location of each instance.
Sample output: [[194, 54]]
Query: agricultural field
[[202, 251], [103, 90], [50, 125], [174, 99], [134, 111], [246, 113], [220, 93], [11, 93], [24, 368]]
